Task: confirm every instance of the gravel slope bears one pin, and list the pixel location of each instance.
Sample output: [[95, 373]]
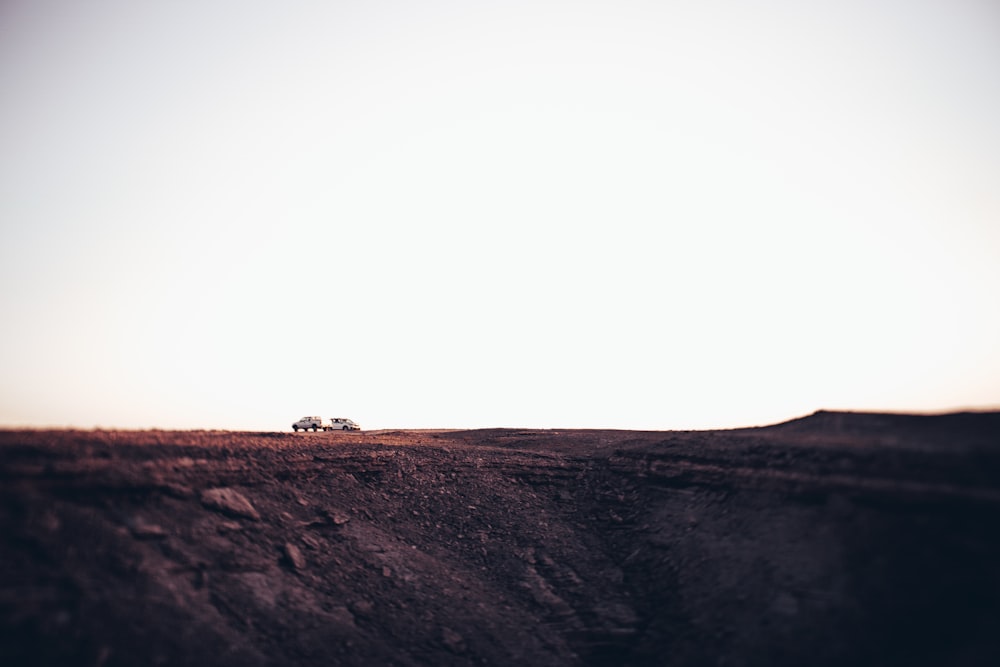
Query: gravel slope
[[840, 538]]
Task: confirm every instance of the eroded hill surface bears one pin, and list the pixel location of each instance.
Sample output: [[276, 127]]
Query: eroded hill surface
[[841, 540]]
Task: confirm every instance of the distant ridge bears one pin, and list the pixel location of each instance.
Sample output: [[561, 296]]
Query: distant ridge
[[982, 427]]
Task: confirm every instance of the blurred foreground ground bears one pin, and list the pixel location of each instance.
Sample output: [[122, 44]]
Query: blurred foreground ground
[[836, 539]]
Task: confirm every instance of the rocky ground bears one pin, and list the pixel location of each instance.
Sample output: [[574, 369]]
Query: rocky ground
[[836, 539]]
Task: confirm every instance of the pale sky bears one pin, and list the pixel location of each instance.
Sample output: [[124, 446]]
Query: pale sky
[[608, 214]]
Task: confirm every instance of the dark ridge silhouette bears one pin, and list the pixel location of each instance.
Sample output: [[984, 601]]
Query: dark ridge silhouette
[[967, 427]]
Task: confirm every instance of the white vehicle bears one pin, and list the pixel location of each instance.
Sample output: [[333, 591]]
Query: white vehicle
[[306, 423], [341, 424], [317, 424]]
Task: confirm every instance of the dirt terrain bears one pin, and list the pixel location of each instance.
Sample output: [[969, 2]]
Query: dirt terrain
[[840, 538]]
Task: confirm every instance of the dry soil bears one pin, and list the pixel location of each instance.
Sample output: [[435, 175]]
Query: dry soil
[[840, 538]]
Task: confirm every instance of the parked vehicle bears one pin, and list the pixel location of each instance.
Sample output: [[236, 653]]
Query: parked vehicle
[[306, 423], [343, 424], [317, 424]]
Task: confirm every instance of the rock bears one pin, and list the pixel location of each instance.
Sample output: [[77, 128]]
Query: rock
[[336, 517], [342, 617], [50, 522], [311, 542], [454, 641], [229, 501], [294, 556], [145, 530], [176, 490], [363, 608]]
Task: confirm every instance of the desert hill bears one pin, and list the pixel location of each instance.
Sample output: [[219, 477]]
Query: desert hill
[[841, 538], [964, 429]]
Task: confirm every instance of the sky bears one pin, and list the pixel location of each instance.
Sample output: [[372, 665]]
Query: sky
[[456, 214]]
